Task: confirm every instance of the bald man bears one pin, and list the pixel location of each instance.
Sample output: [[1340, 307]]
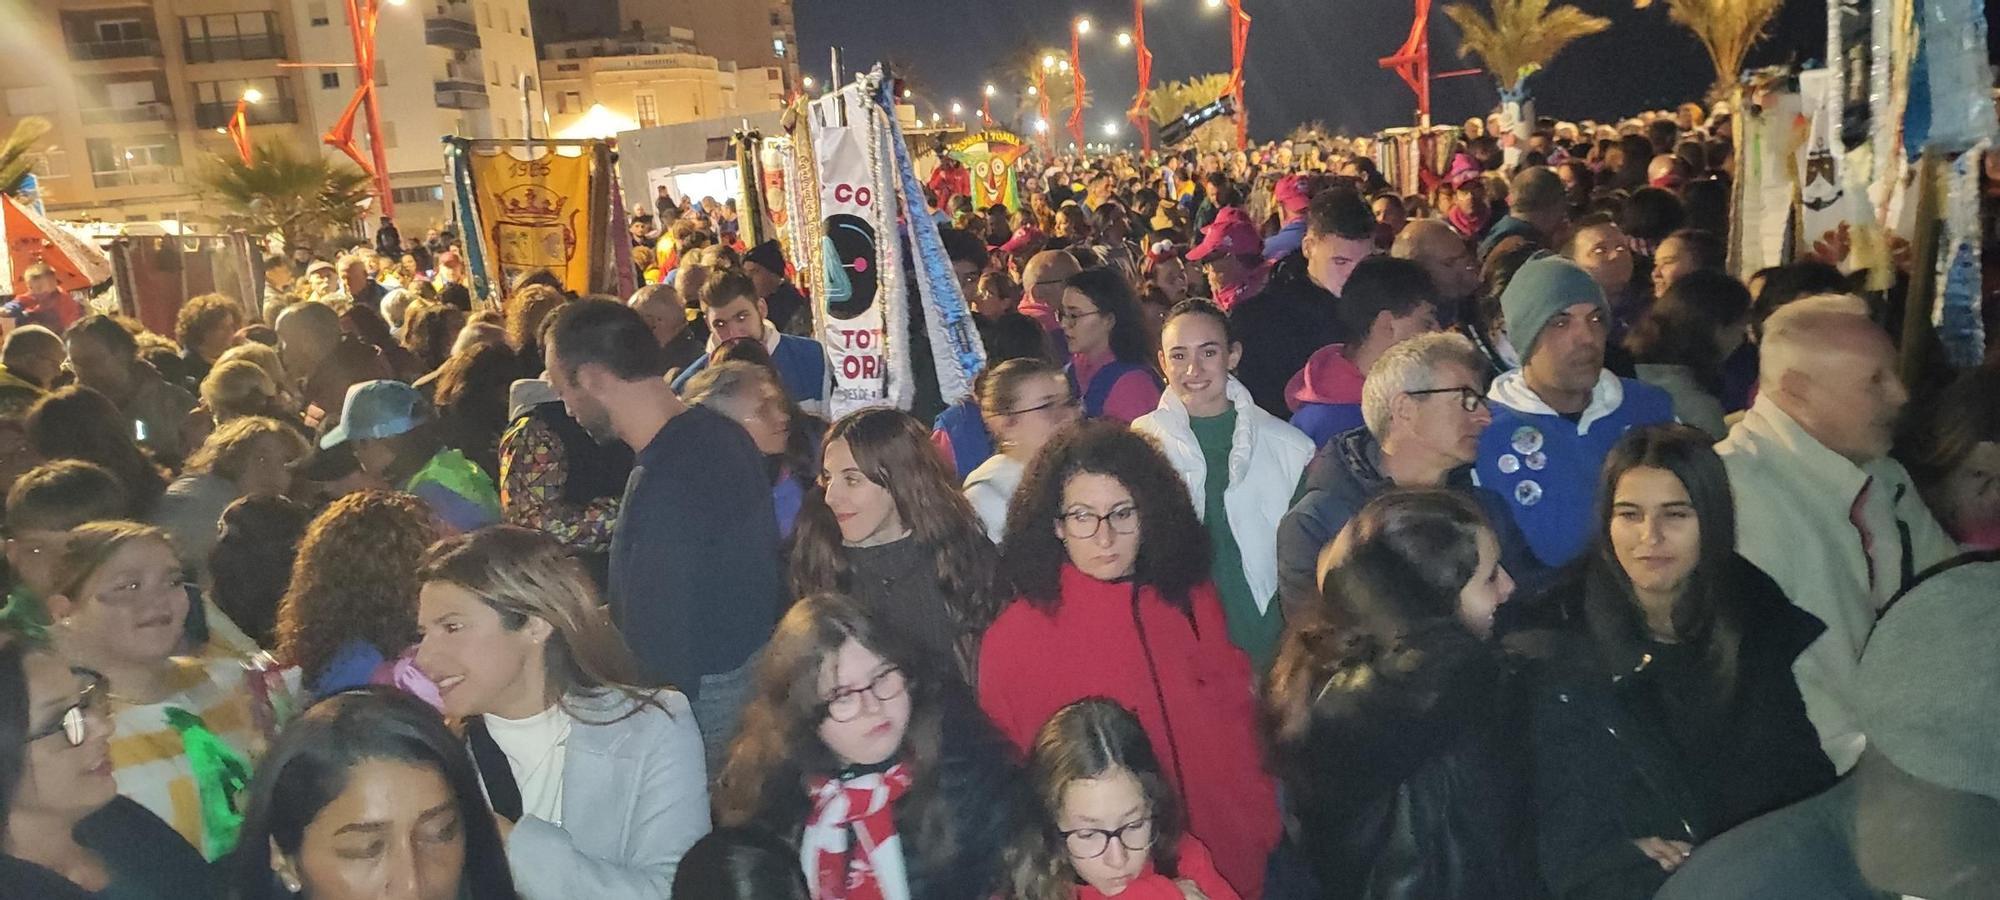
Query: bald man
[[1820, 505], [1041, 292], [1446, 258]]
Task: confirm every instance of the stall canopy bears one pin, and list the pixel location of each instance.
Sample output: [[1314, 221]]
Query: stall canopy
[[31, 239]]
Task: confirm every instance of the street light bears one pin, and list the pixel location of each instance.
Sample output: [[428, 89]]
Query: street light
[[807, 82], [1032, 90], [991, 90], [1111, 129], [253, 95], [906, 93], [1083, 26], [1214, 4], [956, 109], [1048, 61], [1062, 66], [1041, 126], [1124, 39]]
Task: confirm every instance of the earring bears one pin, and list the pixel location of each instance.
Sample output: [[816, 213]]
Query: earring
[[291, 883]]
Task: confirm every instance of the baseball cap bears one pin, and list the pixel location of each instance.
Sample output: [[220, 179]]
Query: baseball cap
[[1231, 232], [377, 409], [1294, 192], [1024, 237]]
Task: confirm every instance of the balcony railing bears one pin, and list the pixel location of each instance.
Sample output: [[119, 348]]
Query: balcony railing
[[242, 46], [137, 176], [454, 99], [135, 48], [268, 111], [452, 32], [144, 112]]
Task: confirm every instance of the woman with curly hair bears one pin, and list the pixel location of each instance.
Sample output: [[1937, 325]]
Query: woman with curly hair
[[526, 311], [205, 327], [352, 604], [861, 752], [889, 528], [471, 402], [429, 330], [1112, 568]]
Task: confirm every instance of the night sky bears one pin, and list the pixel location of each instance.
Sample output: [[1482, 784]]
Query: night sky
[[1308, 59]]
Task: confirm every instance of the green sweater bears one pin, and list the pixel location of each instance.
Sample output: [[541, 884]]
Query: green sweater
[[1255, 631]]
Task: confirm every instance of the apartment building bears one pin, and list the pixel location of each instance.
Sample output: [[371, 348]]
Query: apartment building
[[753, 34], [640, 83]]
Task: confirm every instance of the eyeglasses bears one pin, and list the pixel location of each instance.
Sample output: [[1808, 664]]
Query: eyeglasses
[[1090, 843], [74, 723], [1082, 524], [845, 704], [1468, 399], [1070, 318], [1057, 403]]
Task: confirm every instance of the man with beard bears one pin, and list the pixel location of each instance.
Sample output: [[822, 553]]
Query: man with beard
[[696, 576], [1556, 417]]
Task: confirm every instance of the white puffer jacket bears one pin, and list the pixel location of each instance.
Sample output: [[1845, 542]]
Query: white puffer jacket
[[1266, 458]]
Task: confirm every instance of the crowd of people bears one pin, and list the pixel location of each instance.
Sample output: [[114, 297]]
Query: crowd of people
[[1301, 539]]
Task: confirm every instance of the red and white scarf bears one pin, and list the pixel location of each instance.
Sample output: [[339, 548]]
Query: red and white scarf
[[850, 847]]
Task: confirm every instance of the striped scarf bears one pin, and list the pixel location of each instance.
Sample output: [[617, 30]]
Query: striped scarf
[[850, 846]]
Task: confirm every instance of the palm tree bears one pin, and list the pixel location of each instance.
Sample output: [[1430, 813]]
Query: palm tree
[[1519, 38], [1017, 70], [1166, 103], [15, 161], [299, 197], [1727, 29]]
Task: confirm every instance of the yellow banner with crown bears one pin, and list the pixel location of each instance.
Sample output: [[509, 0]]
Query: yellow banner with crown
[[534, 212]]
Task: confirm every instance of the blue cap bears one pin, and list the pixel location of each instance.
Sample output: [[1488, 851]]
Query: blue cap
[[377, 409]]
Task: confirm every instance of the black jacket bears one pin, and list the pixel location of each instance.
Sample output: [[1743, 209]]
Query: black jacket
[[1629, 745], [1409, 779], [1280, 329]]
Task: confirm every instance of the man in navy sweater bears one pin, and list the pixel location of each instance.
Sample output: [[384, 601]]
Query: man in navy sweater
[[1556, 417], [735, 312], [696, 573]]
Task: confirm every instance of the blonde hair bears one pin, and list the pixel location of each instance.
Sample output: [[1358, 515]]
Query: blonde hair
[[237, 388], [264, 356], [89, 546], [227, 451]]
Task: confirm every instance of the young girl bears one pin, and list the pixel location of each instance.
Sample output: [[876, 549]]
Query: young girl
[[1240, 463], [600, 786], [186, 735], [1110, 823], [889, 528], [857, 749], [1024, 403], [1109, 362]]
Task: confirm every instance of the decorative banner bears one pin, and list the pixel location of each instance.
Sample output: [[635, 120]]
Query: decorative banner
[[1956, 313], [862, 318], [535, 212], [956, 350], [774, 165], [991, 157], [31, 239]]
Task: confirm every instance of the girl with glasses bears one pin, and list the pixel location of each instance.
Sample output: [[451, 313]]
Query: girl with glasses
[[598, 786], [187, 732], [67, 833], [1024, 403], [888, 528], [1110, 824], [1112, 568], [1109, 365], [860, 751]]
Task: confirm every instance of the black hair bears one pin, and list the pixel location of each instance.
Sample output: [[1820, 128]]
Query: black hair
[[740, 863], [1706, 247], [1651, 214], [64, 493], [1088, 739], [1341, 211], [106, 330], [1784, 284], [606, 333], [1199, 306], [1681, 328], [309, 766], [455, 295], [251, 563], [1381, 284], [727, 286], [1108, 290], [1706, 203], [541, 276], [1012, 335], [964, 246]]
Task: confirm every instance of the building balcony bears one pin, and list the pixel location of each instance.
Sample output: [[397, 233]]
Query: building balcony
[[462, 95], [268, 111], [137, 176], [452, 32], [137, 48], [144, 112], [225, 49]]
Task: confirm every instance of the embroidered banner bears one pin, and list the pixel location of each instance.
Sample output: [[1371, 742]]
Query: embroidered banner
[[534, 209]]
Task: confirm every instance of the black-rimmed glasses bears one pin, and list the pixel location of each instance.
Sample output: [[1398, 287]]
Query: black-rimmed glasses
[[1468, 399], [1090, 843], [1082, 524], [74, 723], [845, 704], [1057, 403]]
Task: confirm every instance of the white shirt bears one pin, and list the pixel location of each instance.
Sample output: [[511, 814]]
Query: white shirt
[[535, 748]]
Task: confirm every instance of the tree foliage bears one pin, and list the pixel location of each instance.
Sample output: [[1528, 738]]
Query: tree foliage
[[16, 152], [301, 198], [1520, 36], [1017, 70], [1727, 29]]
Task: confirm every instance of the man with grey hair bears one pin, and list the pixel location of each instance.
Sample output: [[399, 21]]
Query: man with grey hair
[[666, 316], [1424, 409], [1537, 209], [1820, 505]]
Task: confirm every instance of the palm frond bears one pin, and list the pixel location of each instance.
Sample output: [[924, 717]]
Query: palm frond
[[1727, 29], [16, 152], [1519, 36], [280, 190]]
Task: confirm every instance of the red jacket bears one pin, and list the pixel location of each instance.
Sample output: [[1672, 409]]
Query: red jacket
[[1152, 661]]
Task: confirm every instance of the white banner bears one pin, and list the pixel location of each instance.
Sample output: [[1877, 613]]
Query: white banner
[[863, 331]]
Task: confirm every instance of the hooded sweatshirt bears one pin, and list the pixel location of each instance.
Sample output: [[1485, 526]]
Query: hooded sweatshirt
[[990, 488], [1325, 396]]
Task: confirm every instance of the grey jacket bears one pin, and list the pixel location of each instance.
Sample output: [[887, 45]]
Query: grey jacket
[[635, 798]]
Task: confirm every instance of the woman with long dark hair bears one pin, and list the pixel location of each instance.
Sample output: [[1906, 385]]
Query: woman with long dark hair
[[1402, 773], [866, 754], [1112, 569], [1680, 343], [65, 833], [364, 794], [600, 784], [1670, 713], [1110, 823], [889, 528], [1111, 361]]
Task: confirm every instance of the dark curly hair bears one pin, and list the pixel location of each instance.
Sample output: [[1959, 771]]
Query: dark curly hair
[[355, 579], [1173, 546], [429, 332], [204, 314]]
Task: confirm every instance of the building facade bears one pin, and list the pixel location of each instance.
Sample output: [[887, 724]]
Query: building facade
[[753, 34], [596, 87]]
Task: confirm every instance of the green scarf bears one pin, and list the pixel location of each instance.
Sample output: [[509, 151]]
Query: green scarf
[[220, 776]]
